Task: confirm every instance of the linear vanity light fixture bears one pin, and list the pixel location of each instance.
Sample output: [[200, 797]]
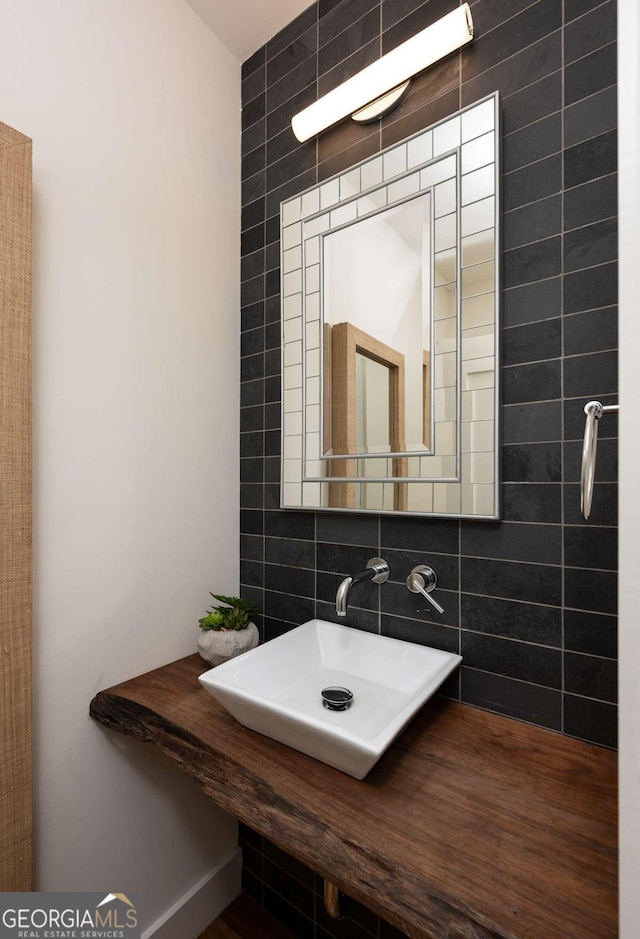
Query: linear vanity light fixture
[[375, 90]]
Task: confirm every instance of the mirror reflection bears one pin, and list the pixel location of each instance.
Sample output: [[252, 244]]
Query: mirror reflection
[[375, 412], [390, 340], [377, 308]]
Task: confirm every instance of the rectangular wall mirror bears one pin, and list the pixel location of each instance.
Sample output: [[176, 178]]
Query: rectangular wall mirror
[[390, 329]]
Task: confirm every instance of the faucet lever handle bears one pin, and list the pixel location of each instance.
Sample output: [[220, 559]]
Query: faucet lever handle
[[423, 579]]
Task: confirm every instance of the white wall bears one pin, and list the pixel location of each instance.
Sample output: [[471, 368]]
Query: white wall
[[385, 292], [629, 585], [134, 110]]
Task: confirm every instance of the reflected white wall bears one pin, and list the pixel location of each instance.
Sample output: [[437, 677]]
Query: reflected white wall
[[377, 276]]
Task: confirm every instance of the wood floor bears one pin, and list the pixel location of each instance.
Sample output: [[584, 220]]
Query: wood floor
[[245, 919]]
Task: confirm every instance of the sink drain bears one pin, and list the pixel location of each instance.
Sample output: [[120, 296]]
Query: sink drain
[[337, 699]]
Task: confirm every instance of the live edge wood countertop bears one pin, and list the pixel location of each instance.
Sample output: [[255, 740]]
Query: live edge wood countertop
[[471, 826]]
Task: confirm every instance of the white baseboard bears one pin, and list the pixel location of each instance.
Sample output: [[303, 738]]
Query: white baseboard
[[193, 912]]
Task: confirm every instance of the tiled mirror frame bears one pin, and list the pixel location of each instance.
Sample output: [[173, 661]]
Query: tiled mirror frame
[[400, 172]]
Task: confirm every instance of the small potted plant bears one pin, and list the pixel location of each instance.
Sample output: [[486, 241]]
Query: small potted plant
[[227, 630]]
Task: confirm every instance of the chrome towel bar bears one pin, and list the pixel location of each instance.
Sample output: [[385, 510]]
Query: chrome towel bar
[[594, 411]]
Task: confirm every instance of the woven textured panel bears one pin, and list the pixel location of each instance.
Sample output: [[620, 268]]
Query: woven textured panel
[[15, 510]]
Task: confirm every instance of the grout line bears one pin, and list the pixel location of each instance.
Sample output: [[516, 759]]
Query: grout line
[[288, 903], [340, 153], [522, 681], [591, 655], [518, 169], [594, 94], [573, 355], [513, 56], [282, 55], [389, 122], [538, 241], [524, 364], [341, 63], [550, 319], [591, 267], [289, 874], [527, 88], [606, 45], [562, 377], [597, 221], [538, 120], [582, 15], [587, 697], [595, 179], [294, 38], [333, 37], [477, 557], [248, 101], [469, 593], [597, 309], [525, 205], [534, 684], [537, 202], [279, 107], [591, 570], [557, 234], [555, 153], [524, 642], [508, 19]]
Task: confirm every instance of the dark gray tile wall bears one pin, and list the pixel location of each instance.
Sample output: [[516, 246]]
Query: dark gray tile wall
[[531, 601], [293, 894]]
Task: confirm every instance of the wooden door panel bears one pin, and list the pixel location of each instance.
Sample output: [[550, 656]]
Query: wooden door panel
[[15, 511]]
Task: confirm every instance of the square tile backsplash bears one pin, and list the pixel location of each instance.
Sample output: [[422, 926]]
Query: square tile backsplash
[[530, 601]]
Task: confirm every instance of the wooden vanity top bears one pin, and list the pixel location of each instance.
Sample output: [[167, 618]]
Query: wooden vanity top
[[472, 825]]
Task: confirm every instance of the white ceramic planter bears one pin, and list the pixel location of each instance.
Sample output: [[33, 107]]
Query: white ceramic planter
[[217, 646]]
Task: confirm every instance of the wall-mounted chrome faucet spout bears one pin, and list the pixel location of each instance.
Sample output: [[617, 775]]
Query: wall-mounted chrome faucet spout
[[377, 570]]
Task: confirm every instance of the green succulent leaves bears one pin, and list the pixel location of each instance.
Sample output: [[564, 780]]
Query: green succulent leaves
[[213, 620], [235, 614]]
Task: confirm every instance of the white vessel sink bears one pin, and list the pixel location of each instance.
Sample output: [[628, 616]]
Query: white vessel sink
[[276, 689]]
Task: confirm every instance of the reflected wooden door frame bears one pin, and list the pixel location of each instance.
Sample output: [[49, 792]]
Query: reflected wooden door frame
[[426, 398], [347, 340]]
